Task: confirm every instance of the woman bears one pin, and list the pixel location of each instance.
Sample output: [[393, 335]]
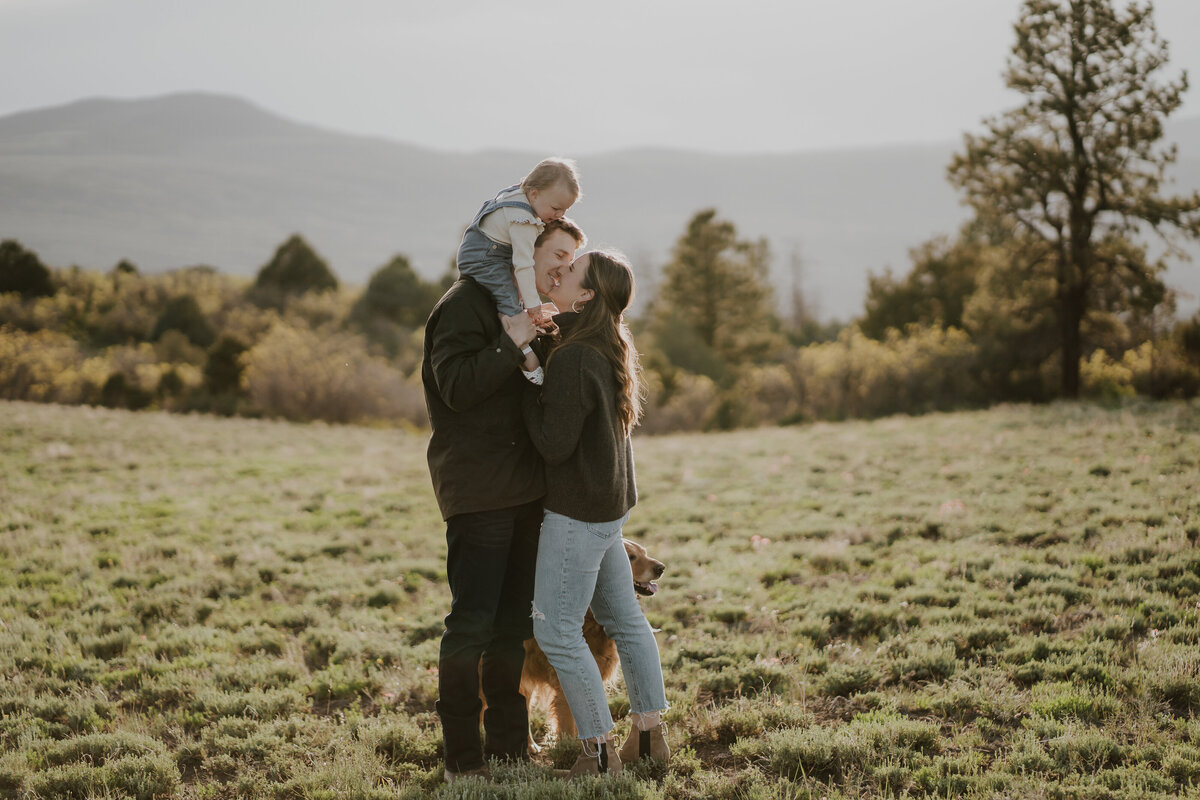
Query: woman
[[580, 421]]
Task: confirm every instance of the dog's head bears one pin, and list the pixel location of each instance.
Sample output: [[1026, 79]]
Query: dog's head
[[645, 569]]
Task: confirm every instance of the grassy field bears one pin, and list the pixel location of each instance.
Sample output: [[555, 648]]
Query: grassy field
[[1001, 604]]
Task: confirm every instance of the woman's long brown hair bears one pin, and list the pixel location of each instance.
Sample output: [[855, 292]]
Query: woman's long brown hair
[[601, 326]]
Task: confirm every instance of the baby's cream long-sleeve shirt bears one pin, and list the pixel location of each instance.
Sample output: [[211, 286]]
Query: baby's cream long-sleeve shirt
[[520, 229]]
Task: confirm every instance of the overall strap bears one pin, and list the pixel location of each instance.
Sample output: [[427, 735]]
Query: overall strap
[[491, 205]]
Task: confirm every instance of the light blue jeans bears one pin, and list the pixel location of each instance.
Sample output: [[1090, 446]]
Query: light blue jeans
[[581, 564]]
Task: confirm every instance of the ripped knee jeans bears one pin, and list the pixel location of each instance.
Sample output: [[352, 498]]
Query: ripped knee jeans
[[582, 564]]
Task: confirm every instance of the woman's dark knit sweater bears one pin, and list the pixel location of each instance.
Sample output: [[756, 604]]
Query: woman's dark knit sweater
[[589, 458]]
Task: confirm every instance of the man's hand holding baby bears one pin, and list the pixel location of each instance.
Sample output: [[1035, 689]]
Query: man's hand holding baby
[[543, 316], [519, 328]]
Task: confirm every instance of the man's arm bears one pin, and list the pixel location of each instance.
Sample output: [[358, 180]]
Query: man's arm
[[470, 362]]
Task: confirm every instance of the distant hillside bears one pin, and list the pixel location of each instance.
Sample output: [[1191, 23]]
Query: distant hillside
[[197, 178]]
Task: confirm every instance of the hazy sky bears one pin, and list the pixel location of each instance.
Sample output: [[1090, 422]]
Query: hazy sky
[[567, 77]]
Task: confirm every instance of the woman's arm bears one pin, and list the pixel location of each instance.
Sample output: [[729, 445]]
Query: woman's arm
[[555, 421]]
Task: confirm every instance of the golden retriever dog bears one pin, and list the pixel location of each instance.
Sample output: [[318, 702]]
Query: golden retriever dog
[[539, 683]]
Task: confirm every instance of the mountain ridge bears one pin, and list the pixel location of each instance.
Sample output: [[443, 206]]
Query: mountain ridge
[[207, 178]]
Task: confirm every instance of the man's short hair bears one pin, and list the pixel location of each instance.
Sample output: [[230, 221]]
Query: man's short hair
[[563, 224]]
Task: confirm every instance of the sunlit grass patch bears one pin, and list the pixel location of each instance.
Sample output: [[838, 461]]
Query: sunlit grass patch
[[866, 746], [844, 680], [934, 607], [746, 717], [922, 662], [1068, 701], [1170, 674], [1082, 749], [119, 764]]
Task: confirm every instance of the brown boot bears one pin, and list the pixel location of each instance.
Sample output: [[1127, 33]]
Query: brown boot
[[643, 744], [597, 759]]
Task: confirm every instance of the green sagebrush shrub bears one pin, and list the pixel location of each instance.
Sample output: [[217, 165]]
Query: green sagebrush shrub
[[117, 764], [867, 744]]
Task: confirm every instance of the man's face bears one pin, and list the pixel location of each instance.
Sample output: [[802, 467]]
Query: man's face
[[551, 257]]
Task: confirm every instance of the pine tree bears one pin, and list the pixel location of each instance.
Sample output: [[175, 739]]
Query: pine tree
[[716, 286], [295, 268], [22, 271], [1079, 163], [184, 314], [396, 293], [223, 370]]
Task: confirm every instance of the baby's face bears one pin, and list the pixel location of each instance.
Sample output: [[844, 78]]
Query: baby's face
[[551, 203]]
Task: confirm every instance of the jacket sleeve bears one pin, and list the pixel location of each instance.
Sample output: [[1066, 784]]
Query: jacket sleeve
[[555, 420], [470, 363]]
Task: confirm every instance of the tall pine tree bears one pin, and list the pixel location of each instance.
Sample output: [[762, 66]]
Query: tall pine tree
[[716, 285], [295, 268], [1079, 165]]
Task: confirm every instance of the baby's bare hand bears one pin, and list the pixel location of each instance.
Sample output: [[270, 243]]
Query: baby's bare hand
[[543, 315]]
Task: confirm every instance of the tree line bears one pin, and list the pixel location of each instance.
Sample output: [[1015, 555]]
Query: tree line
[[1046, 292]]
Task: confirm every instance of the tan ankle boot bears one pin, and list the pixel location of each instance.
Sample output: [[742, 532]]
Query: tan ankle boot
[[597, 759], [643, 744]]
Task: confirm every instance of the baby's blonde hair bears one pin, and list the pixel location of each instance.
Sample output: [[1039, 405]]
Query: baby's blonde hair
[[550, 172]]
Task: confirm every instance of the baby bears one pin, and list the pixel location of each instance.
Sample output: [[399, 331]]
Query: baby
[[498, 245]]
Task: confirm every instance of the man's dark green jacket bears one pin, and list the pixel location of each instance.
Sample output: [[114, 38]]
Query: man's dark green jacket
[[480, 455]]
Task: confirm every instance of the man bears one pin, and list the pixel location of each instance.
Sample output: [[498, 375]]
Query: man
[[489, 484]]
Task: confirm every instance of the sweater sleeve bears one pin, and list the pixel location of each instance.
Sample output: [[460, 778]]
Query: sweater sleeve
[[555, 421], [523, 232]]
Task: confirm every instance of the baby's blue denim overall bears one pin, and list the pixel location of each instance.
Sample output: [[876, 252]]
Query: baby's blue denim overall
[[490, 263]]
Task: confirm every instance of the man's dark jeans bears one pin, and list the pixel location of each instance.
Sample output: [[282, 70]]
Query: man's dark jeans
[[490, 565]]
